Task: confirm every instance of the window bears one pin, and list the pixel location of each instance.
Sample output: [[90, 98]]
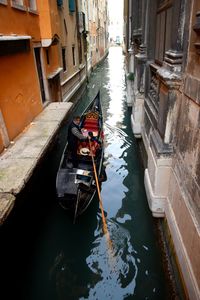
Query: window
[[64, 59], [80, 51], [60, 3], [163, 31], [73, 55], [13, 47], [18, 2], [72, 6], [3, 2], [32, 5]]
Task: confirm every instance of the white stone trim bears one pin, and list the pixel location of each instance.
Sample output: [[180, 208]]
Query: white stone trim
[[46, 42], [53, 74], [136, 128], [69, 78], [14, 37], [156, 203], [130, 93], [137, 115], [73, 91]]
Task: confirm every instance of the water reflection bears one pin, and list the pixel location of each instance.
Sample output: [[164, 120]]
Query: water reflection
[[86, 266], [126, 272], [117, 271]]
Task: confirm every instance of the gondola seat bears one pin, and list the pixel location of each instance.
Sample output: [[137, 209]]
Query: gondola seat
[[91, 121], [91, 124]]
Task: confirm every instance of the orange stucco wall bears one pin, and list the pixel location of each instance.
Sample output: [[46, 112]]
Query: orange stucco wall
[[49, 18], [15, 21], [20, 99]]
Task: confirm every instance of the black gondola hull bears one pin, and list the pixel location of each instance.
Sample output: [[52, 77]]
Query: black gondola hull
[[76, 187]]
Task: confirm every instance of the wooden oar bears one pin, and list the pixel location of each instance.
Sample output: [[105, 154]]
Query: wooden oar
[[76, 207], [105, 227]]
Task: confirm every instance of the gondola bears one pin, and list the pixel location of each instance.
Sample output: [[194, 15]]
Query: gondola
[[76, 187]]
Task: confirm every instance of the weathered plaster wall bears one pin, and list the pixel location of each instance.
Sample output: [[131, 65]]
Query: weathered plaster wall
[[21, 103], [187, 149], [21, 22], [49, 18], [185, 233]]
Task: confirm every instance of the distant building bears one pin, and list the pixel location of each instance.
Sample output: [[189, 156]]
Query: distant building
[[72, 47], [162, 42], [98, 30], [115, 27]]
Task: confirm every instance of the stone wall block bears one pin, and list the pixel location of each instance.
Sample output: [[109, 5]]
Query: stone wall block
[[151, 168], [192, 88], [162, 181], [195, 255]]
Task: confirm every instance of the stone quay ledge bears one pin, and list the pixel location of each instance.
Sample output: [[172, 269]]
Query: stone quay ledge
[[19, 160]]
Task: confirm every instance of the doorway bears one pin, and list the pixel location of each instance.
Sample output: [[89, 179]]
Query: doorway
[[40, 75]]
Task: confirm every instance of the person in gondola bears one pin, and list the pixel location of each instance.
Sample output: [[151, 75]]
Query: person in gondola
[[75, 135]]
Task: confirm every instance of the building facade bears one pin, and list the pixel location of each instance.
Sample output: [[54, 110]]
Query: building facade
[[45, 56], [72, 25], [48, 49], [162, 48], [98, 30], [21, 98]]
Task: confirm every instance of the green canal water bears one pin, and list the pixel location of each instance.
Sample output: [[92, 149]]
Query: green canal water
[[44, 256]]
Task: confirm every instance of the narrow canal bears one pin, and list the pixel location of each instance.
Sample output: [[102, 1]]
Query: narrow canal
[[44, 256]]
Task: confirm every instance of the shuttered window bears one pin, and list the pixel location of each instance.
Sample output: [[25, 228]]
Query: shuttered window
[[64, 59], [59, 2], [32, 5], [18, 2], [72, 6]]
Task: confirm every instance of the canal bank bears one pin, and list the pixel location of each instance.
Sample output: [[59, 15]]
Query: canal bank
[[17, 163], [168, 255]]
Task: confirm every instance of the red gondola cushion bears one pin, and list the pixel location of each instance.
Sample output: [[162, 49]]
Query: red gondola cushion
[[91, 124]]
